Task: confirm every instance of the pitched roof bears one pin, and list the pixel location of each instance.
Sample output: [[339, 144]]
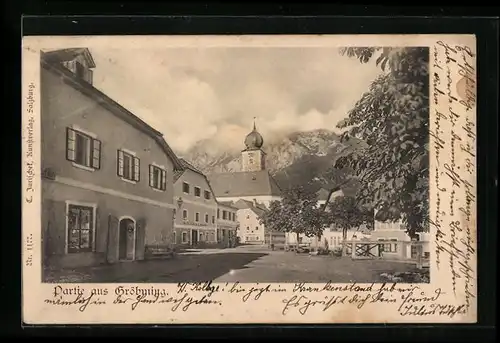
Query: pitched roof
[[177, 174], [188, 165], [51, 61], [228, 204], [258, 209], [244, 184], [64, 55]]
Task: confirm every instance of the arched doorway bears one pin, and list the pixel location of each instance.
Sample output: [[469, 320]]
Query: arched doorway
[[126, 242]]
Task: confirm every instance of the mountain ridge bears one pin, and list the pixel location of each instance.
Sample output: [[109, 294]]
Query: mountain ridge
[[299, 158]]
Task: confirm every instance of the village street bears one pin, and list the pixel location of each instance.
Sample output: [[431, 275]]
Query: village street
[[243, 264]]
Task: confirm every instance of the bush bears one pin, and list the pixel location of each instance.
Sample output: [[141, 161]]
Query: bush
[[415, 276], [323, 251], [337, 252]]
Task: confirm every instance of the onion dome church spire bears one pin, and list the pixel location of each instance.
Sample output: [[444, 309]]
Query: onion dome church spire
[[254, 140]]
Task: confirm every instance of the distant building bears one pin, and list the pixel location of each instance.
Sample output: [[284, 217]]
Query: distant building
[[107, 176], [394, 239], [196, 207], [250, 230], [227, 223], [253, 182]]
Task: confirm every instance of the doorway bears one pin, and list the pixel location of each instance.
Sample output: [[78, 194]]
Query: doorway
[[194, 237], [126, 247]]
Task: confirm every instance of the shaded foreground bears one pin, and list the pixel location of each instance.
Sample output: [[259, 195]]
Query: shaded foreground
[[243, 264], [183, 268]]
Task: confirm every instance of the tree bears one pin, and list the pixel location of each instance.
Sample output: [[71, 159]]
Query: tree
[[346, 213], [392, 117], [295, 213]]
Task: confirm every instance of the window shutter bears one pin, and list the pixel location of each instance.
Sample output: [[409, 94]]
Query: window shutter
[[119, 163], [163, 180], [70, 144], [151, 176], [96, 154], [137, 177]]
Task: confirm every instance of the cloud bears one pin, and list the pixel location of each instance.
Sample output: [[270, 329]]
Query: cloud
[[193, 94]]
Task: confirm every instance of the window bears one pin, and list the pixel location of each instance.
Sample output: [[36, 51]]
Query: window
[[157, 178], [213, 219], [174, 238], [234, 217], [207, 195], [185, 187], [175, 212], [197, 191], [83, 149], [224, 214], [79, 70], [184, 214], [390, 247], [256, 228], [80, 228], [128, 166], [206, 218], [197, 217], [218, 213], [184, 237], [248, 228]]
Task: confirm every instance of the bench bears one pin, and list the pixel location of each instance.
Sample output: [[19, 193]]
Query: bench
[[160, 252]]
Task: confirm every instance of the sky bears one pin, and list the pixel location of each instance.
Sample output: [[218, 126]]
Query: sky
[[193, 94]]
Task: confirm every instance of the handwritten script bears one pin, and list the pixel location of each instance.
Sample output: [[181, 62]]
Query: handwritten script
[[408, 300], [453, 140]]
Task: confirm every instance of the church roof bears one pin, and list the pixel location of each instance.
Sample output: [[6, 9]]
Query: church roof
[[236, 184]]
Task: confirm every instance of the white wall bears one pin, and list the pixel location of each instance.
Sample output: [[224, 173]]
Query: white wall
[[251, 230]]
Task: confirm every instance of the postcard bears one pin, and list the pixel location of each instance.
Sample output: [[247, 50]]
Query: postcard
[[301, 179]]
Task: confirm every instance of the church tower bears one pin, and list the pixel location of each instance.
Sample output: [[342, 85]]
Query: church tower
[[253, 158]]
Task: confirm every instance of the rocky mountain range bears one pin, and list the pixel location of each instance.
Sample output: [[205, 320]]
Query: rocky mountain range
[[300, 158]]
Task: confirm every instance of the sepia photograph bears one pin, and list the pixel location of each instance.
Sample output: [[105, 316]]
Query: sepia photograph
[[235, 164], [249, 179]]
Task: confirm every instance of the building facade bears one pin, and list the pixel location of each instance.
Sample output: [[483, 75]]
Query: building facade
[[227, 224], [196, 208], [107, 176], [395, 241], [250, 230]]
